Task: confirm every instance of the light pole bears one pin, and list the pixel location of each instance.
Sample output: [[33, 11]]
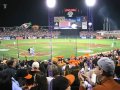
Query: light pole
[[50, 4], [90, 4], [74, 26]]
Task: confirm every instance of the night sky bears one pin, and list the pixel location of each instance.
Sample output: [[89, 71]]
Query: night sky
[[36, 11]]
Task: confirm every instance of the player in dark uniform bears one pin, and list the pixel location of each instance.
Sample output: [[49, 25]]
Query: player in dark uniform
[[29, 50]]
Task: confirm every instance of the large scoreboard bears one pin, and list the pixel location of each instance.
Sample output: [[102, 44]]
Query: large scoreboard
[[70, 20]]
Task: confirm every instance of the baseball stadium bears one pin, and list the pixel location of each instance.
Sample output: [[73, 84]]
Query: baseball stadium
[[67, 47], [68, 34]]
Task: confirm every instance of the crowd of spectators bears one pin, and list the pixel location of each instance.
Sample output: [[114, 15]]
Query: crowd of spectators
[[29, 33], [102, 34], [45, 33], [88, 34], [97, 72]]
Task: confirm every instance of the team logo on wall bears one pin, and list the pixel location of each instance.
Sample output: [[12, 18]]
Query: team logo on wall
[[70, 14]]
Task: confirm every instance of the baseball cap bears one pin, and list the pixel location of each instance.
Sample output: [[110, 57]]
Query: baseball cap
[[106, 64], [35, 64], [60, 83], [71, 78], [23, 73]]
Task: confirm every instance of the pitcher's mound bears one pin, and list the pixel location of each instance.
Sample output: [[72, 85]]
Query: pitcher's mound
[[36, 54]]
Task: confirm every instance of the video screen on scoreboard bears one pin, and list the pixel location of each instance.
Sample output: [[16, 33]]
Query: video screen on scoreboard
[[67, 23]]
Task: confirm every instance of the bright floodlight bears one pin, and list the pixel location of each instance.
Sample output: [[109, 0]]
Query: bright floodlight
[[51, 3], [90, 23], [74, 26], [90, 3]]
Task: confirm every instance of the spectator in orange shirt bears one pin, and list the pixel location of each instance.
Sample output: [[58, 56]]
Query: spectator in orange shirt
[[105, 71]]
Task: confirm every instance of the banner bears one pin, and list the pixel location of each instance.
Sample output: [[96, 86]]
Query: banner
[[84, 25], [19, 38], [6, 38], [59, 19], [99, 37], [84, 22]]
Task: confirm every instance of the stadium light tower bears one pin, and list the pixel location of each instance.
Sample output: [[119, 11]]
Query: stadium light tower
[[51, 5], [90, 4]]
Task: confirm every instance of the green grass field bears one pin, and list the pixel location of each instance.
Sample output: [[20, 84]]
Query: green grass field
[[47, 48]]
